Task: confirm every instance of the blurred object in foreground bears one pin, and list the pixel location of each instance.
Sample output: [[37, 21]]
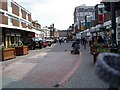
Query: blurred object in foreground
[[107, 68]]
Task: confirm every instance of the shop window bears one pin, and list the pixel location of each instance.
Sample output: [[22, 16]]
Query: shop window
[[7, 42], [12, 39]]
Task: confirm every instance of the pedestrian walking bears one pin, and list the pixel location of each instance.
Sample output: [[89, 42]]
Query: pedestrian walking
[[60, 41], [75, 46], [84, 42], [90, 40]]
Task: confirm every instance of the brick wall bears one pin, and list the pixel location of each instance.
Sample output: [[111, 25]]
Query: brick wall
[[15, 9], [3, 5], [29, 18], [0, 5], [23, 14], [15, 22], [23, 25], [0, 19], [3, 20]]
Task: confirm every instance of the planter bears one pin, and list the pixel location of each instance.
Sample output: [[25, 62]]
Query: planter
[[105, 46], [99, 50], [8, 53], [107, 68], [21, 50]]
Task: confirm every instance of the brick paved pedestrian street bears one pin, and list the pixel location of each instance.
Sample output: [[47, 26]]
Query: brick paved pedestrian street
[[85, 76], [46, 68]]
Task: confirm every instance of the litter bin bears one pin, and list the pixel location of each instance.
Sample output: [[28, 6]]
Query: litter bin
[[107, 68]]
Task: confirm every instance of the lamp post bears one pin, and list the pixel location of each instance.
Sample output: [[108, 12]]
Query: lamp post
[[113, 46], [113, 17], [53, 29]]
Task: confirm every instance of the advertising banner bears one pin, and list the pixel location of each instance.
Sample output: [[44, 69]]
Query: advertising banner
[[100, 18], [88, 25]]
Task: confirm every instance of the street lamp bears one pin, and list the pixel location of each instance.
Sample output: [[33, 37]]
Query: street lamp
[[53, 30], [113, 46]]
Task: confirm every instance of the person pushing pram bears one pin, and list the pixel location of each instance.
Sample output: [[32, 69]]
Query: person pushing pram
[[75, 47]]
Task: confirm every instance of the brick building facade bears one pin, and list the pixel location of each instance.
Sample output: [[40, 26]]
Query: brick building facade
[[15, 23]]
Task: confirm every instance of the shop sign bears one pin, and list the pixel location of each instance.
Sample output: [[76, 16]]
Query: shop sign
[[12, 34], [18, 34], [7, 34], [100, 18], [101, 10], [88, 25]]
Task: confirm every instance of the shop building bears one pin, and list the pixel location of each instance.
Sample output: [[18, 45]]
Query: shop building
[[79, 16], [36, 27], [101, 26], [15, 23]]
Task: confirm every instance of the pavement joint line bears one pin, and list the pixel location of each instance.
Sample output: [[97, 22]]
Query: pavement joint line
[[68, 76]]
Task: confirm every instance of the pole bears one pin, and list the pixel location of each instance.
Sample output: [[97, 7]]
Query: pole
[[113, 47], [113, 18], [53, 29]]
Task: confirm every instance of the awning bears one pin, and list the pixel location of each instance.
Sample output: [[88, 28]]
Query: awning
[[107, 23]]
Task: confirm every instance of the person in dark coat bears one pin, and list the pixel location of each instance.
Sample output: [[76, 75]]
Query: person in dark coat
[[100, 39], [60, 41], [75, 44]]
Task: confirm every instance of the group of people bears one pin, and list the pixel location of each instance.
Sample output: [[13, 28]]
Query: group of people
[[77, 42], [98, 39], [61, 41]]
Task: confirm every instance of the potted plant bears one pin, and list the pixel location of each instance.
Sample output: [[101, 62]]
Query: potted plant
[[94, 47], [99, 50], [21, 49], [7, 53]]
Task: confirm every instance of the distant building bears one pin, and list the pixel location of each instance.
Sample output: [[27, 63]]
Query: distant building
[[56, 34], [79, 16], [70, 33], [46, 31], [62, 33], [37, 28]]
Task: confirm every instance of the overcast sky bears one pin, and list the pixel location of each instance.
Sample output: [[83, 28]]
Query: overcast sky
[[59, 12]]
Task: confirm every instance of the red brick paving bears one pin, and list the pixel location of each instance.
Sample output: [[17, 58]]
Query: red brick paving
[[48, 69]]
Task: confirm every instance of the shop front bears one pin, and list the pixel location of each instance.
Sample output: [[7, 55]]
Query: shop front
[[13, 37]]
